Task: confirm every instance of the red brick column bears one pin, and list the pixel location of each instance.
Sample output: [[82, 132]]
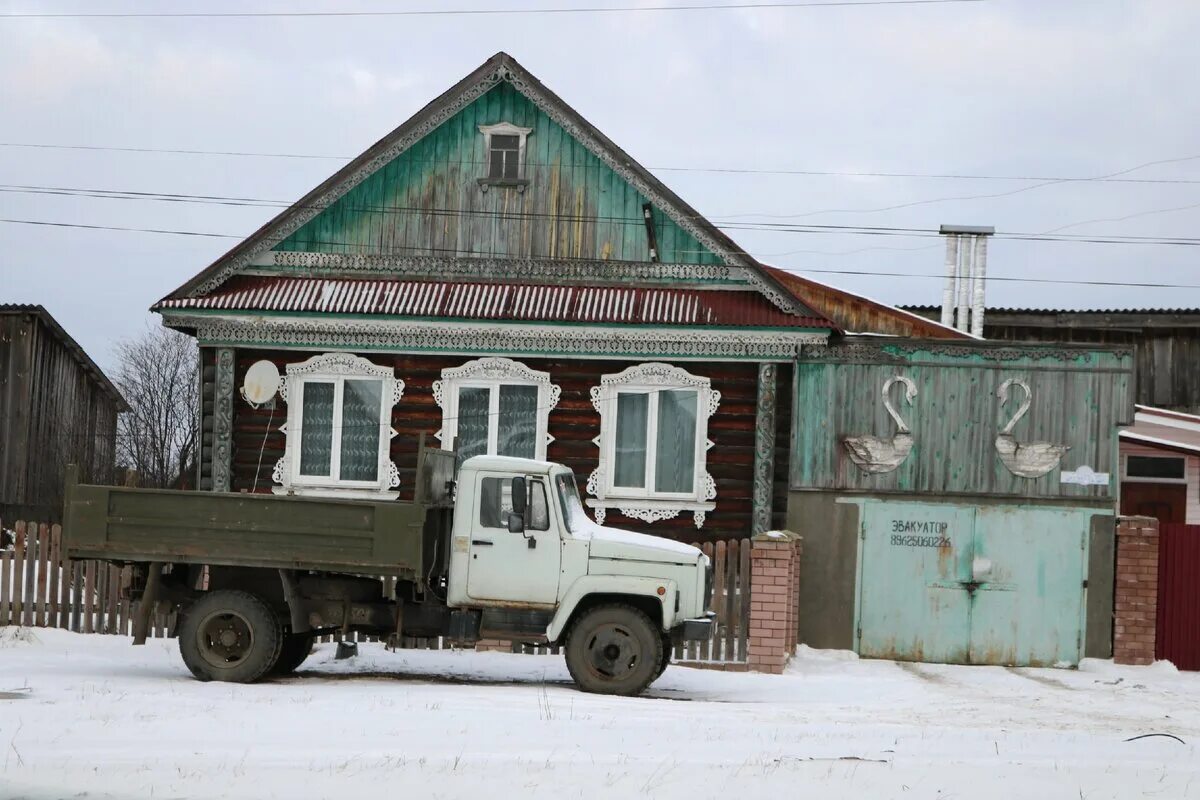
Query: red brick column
[[1135, 604], [773, 579]]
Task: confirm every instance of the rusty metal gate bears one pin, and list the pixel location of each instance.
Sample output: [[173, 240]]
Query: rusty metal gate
[[1177, 634], [972, 584]]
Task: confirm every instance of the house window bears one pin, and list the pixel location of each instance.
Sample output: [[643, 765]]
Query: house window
[[503, 156], [653, 443], [1155, 469], [495, 406], [504, 144], [339, 427]]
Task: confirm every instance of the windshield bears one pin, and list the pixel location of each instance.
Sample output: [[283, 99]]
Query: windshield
[[568, 496]]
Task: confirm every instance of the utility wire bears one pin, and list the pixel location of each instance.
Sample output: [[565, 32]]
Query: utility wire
[[714, 170], [864, 230], [474, 12], [794, 270]]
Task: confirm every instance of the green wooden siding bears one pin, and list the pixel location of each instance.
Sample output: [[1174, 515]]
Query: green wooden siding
[[1079, 398], [427, 201]]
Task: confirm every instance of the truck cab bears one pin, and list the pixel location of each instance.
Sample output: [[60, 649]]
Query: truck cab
[[523, 550]]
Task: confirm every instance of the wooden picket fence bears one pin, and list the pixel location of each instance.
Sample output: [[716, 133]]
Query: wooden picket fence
[[39, 589]]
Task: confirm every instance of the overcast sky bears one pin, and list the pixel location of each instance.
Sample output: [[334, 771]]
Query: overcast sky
[[1070, 88]]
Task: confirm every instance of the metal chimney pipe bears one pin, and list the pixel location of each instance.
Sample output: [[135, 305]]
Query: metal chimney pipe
[[964, 283], [951, 274], [980, 276]]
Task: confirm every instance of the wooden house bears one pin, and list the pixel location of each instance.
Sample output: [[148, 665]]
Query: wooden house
[[500, 276], [1160, 466], [56, 408]]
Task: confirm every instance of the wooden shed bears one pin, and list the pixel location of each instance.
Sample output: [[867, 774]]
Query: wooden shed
[[56, 407]]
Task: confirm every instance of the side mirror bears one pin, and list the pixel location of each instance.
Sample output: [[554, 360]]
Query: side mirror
[[520, 495], [516, 523]]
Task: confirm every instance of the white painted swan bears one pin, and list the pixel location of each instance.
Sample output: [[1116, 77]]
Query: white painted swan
[[876, 455], [1031, 460]]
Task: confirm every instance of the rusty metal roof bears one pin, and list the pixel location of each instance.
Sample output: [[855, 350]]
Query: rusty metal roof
[[496, 301]]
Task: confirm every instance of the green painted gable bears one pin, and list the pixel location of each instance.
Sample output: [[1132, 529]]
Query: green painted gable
[[427, 201]]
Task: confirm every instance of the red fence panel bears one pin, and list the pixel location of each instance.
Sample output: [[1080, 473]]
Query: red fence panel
[[1177, 635]]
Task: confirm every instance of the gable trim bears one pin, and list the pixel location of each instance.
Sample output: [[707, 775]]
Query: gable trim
[[495, 70]]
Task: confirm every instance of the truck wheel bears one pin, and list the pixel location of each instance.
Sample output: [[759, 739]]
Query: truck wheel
[[614, 649], [230, 635], [666, 656], [296, 648]]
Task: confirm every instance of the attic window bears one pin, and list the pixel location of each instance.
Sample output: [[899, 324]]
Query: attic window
[[505, 147]]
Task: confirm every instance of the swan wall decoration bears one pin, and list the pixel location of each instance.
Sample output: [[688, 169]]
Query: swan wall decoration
[[1031, 460], [875, 455]]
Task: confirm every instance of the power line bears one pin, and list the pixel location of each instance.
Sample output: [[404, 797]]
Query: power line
[[474, 12], [863, 230], [712, 170], [794, 270]]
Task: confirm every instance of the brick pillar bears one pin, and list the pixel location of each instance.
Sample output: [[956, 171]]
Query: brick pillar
[[493, 646], [794, 596], [1135, 604], [772, 607]]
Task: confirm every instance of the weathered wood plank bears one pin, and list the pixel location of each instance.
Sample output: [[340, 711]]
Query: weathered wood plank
[[41, 598]]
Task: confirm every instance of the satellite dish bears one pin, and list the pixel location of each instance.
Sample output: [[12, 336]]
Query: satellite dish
[[261, 384]]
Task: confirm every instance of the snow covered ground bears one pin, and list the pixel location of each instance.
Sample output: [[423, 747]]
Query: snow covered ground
[[91, 716]]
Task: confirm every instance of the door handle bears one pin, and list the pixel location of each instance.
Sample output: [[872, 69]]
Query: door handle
[[482, 542]]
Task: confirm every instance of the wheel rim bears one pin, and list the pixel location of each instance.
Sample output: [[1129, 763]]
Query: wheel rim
[[613, 652], [225, 639]]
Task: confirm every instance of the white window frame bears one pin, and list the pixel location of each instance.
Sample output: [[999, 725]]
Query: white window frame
[[492, 373], [336, 368], [1126, 477], [645, 503], [503, 129]]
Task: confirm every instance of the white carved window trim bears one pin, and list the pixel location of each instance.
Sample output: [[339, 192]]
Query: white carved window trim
[[504, 129], [645, 504], [491, 373], [336, 368]]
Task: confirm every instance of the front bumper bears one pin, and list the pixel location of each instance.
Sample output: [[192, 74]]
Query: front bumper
[[694, 630]]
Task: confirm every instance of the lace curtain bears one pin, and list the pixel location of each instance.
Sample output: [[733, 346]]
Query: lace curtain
[[472, 436], [316, 439], [675, 461], [360, 430], [516, 433]]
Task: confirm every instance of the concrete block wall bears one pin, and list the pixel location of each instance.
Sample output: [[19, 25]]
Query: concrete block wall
[[1135, 602]]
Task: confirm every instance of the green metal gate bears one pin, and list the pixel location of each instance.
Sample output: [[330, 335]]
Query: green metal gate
[[989, 584]]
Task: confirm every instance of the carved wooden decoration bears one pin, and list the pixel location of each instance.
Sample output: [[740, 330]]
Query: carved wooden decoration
[[874, 455], [1024, 460]]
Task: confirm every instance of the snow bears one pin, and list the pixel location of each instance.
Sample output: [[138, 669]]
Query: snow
[[585, 529], [93, 715]]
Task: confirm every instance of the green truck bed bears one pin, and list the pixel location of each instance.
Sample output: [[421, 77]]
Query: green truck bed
[[115, 523]]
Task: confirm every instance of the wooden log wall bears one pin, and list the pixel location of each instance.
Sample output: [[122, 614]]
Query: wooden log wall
[[258, 443]]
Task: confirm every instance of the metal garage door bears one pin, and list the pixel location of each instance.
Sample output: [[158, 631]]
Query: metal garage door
[[973, 585]]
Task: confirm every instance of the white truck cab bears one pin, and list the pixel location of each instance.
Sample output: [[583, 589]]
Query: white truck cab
[[524, 553]]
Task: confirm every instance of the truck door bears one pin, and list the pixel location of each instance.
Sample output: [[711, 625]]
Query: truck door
[[511, 567]]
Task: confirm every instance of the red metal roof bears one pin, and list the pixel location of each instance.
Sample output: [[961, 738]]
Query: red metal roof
[[497, 301]]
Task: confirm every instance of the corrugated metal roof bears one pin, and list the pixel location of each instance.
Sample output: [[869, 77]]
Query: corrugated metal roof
[[495, 301], [999, 310]]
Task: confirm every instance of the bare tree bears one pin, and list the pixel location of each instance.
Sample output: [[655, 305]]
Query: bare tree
[[157, 374]]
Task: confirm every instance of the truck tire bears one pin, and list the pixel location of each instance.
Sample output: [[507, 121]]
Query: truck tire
[[614, 649], [296, 648], [230, 635], [666, 657]]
